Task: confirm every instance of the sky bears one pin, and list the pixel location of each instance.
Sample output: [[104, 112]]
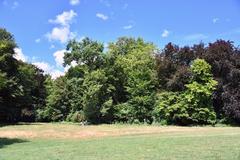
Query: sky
[[42, 28]]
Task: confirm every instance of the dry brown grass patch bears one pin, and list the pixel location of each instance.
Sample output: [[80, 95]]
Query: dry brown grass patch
[[74, 131]]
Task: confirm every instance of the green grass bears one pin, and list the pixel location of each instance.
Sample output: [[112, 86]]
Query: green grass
[[201, 143]]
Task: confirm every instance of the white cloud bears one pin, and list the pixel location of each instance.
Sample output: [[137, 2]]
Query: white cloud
[[48, 69], [128, 27], [66, 68], [56, 73], [74, 64], [165, 33], [62, 34], [56, 70], [19, 55], [44, 66], [102, 16], [197, 36], [64, 19], [37, 40], [80, 39], [74, 2], [215, 20], [58, 55]]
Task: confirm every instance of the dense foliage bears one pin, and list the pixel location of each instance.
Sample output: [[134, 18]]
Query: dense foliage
[[131, 81], [194, 104], [22, 88], [173, 73]]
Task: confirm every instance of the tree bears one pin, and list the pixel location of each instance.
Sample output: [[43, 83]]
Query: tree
[[138, 66], [33, 90], [224, 59], [170, 108], [166, 65], [172, 67], [193, 105], [57, 107], [10, 90], [97, 100], [86, 52], [199, 93], [22, 88]]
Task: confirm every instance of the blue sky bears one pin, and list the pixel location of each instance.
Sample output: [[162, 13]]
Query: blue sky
[[42, 28]]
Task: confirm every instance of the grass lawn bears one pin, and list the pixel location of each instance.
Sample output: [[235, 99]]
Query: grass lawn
[[118, 142]]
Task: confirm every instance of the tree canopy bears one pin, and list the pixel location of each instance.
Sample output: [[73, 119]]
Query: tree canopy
[[132, 81], [22, 88]]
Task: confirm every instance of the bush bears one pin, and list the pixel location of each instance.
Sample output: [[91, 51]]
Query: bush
[[123, 112], [171, 109], [43, 115], [76, 117]]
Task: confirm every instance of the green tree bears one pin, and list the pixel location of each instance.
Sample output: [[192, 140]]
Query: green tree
[[74, 100], [193, 105], [10, 90], [138, 66], [22, 88], [86, 52], [199, 93], [33, 95], [57, 108], [171, 108], [97, 101]]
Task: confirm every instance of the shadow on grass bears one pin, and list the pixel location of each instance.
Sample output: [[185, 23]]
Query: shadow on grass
[[9, 141]]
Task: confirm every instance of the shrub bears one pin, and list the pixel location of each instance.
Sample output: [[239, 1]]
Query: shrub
[[76, 117], [170, 109]]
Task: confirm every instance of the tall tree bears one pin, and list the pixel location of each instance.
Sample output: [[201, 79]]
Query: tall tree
[[22, 88], [138, 66], [33, 90], [224, 59], [10, 90]]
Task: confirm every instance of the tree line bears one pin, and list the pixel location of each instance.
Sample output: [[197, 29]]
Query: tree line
[[133, 81]]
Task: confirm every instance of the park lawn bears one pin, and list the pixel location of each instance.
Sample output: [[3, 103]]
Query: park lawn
[[118, 142]]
